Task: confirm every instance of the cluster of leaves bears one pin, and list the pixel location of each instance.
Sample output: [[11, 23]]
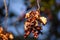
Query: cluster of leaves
[[33, 23], [5, 35]]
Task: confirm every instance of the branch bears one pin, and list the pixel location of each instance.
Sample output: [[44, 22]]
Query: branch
[[6, 16], [38, 4]]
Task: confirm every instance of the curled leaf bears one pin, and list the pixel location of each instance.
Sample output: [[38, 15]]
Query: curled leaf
[[44, 20]]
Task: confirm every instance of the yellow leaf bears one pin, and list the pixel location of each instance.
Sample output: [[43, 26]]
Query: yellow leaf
[[43, 19]]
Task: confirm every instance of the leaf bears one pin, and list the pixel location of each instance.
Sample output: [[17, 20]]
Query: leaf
[[43, 19]]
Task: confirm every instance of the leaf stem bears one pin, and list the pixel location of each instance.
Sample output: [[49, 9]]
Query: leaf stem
[[38, 4]]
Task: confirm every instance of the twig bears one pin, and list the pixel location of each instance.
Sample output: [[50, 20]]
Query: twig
[[17, 30], [38, 4], [6, 16]]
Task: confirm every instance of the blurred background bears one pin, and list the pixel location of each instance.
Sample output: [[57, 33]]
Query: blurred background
[[17, 10]]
